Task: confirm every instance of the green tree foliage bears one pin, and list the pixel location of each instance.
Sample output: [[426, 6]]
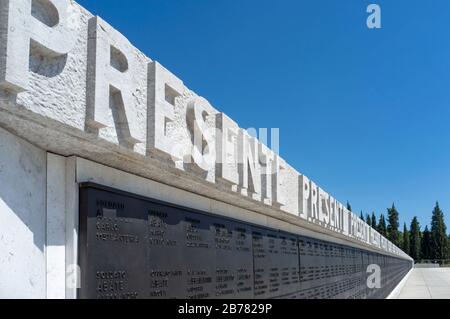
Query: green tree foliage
[[393, 224], [400, 240], [439, 240], [426, 244], [374, 221], [349, 207], [414, 239], [432, 244], [448, 244], [405, 242], [368, 220], [381, 228]]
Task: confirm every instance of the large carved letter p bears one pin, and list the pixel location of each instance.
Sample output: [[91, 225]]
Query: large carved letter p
[[41, 24]]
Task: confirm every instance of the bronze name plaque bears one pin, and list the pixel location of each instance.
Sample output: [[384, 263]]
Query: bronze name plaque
[[132, 247]]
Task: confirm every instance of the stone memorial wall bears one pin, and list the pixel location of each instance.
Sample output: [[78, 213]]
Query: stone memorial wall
[[73, 89]]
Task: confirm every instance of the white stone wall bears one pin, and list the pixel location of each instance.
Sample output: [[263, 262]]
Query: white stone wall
[[22, 218]]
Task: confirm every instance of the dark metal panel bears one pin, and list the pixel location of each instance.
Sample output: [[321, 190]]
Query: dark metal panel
[[205, 257], [311, 263], [166, 245], [275, 263], [289, 263], [233, 260], [199, 256], [134, 247], [113, 246]]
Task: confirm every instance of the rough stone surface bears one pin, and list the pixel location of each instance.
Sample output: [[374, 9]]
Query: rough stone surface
[[22, 218]]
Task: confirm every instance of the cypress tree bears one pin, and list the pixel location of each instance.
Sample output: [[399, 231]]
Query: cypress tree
[[448, 251], [392, 228], [439, 244], [382, 226], [361, 216], [406, 245], [414, 238], [426, 244], [374, 221], [368, 220], [349, 207]]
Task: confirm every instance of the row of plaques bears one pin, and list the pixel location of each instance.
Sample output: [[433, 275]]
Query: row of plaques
[[132, 247]]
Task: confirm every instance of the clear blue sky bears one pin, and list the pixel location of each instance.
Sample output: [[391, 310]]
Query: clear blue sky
[[365, 113]]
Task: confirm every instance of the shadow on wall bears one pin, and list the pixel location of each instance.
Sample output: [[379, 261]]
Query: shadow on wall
[[23, 166], [22, 195]]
